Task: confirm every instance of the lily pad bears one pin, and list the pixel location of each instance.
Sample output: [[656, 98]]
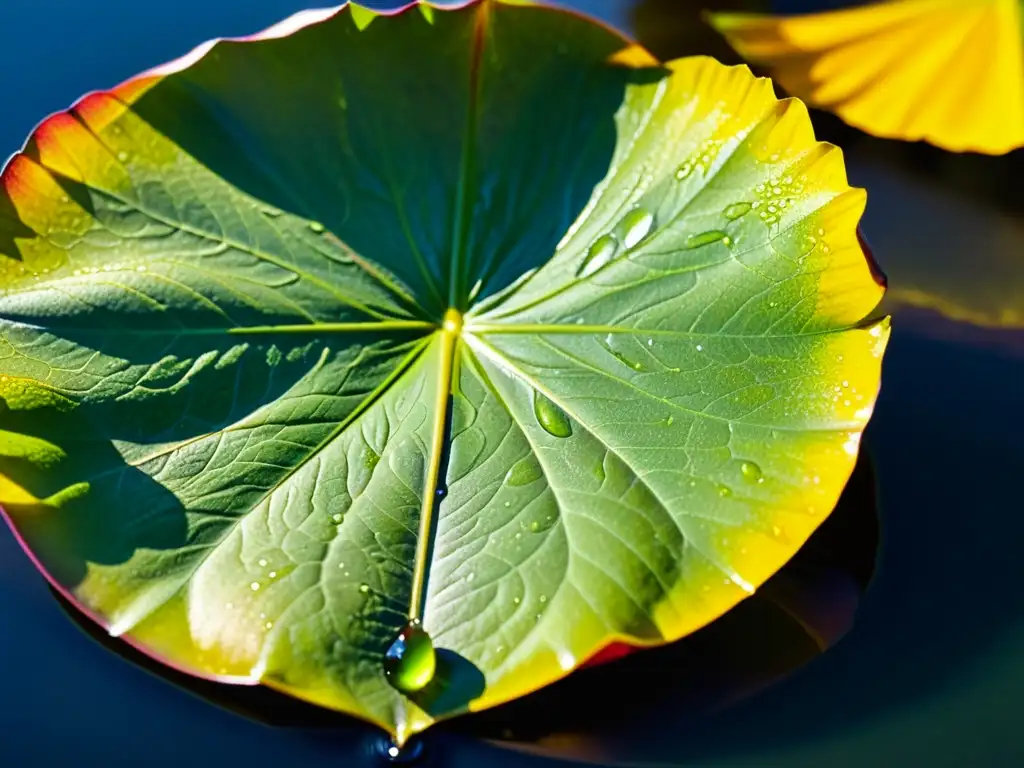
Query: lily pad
[[946, 71], [479, 320]]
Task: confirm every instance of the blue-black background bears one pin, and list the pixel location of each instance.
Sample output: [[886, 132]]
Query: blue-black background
[[932, 673]]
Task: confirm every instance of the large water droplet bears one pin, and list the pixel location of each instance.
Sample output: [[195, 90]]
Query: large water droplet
[[635, 226], [736, 210], [706, 238], [600, 253], [317, 227], [410, 662], [524, 472], [550, 416], [751, 472]]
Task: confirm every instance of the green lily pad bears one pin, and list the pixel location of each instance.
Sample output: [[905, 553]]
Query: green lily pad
[[474, 332]]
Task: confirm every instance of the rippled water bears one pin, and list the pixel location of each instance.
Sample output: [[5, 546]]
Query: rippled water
[[932, 672]]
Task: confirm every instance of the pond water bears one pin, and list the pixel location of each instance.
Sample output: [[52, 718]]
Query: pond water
[[931, 673]]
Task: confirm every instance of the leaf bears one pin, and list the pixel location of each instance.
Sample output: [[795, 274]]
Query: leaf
[[488, 321], [946, 71]]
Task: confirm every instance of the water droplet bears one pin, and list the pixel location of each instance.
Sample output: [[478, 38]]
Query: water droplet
[[751, 472], [517, 599], [255, 586], [700, 347], [542, 524], [336, 519], [524, 471], [269, 625], [668, 420], [317, 227], [272, 574], [636, 224], [471, 576], [706, 238], [724, 491], [543, 598], [736, 210], [600, 253], [550, 416], [364, 588], [262, 562], [270, 211], [122, 156], [410, 662], [684, 170]]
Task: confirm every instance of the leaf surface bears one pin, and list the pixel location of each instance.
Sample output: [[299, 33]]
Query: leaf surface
[[477, 317]]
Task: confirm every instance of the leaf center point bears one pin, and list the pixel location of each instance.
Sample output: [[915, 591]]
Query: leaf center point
[[452, 322]]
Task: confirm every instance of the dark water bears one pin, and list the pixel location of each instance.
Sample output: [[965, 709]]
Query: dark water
[[932, 673]]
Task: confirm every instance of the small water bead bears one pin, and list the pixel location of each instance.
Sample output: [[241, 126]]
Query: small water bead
[[410, 662], [272, 575], [122, 156], [736, 210], [724, 491], [364, 588], [262, 562], [270, 211], [636, 225], [751, 472], [523, 472], [600, 253], [269, 625], [470, 576], [316, 227], [550, 417], [668, 420], [543, 524], [255, 586], [706, 238]]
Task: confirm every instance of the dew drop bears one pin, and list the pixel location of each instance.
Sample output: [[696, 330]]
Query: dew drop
[[705, 239], [601, 252], [668, 420], [364, 588], [751, 472], [636, 224], [470, 576], [270, 212], [316, 227], [255, 586], [122, 156], [736, 210], [550, 416], [724, 491], [410, 662], [523, 472]]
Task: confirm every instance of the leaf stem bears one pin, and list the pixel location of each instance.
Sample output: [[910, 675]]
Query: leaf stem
[[451, 329]]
